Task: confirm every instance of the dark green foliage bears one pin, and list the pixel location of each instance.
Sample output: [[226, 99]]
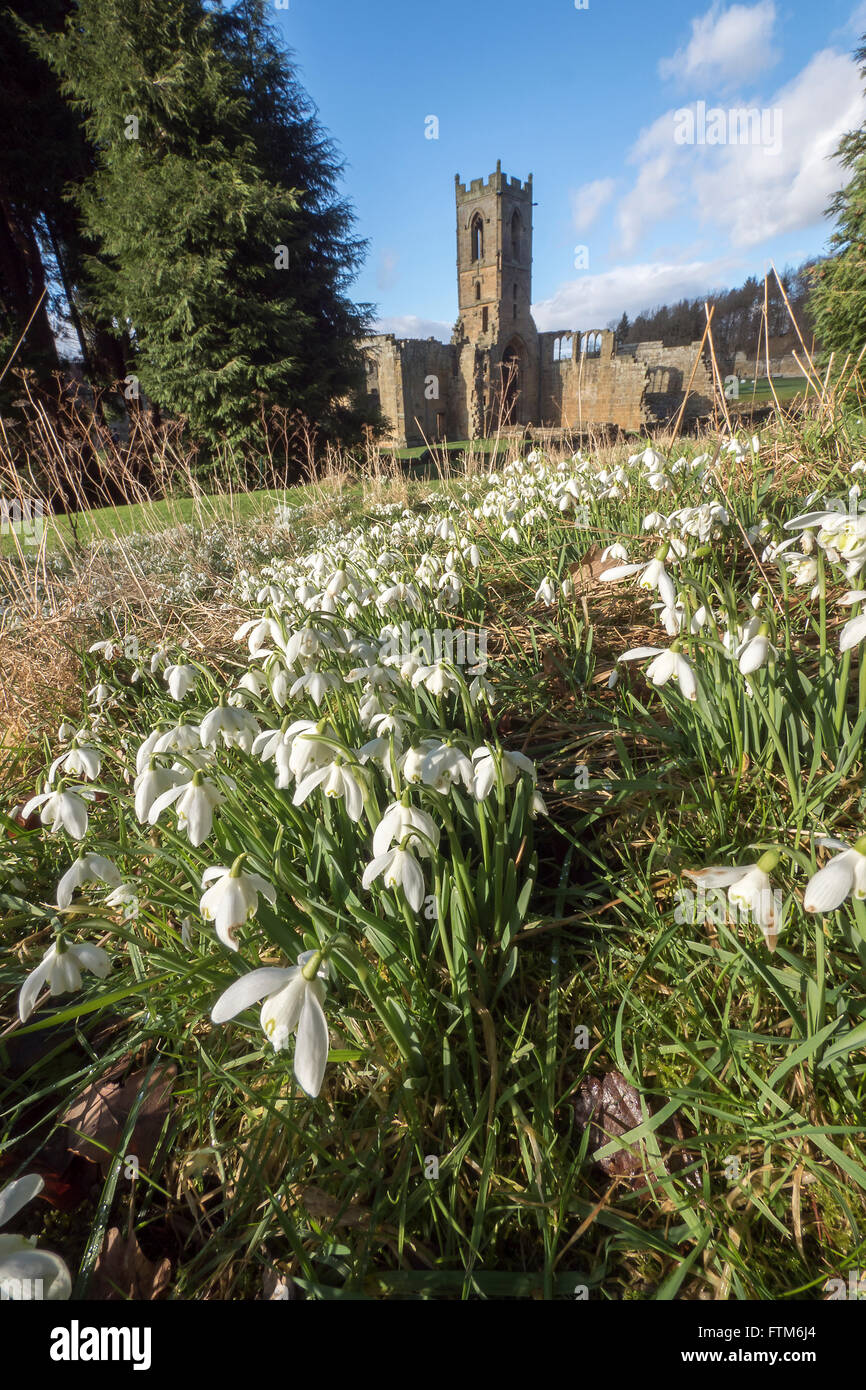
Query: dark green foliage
[[33, 213], [208, 161], [839, 299]]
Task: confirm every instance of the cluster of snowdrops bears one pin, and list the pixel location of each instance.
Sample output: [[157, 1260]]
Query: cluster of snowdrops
[[343, 795]]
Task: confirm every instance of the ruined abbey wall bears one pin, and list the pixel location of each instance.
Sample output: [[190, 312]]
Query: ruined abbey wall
[[668, 371]]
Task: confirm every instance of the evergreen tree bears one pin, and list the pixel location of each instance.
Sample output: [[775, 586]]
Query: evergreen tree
[[294, 152], [38, 231], [838, 302], [202, 244]]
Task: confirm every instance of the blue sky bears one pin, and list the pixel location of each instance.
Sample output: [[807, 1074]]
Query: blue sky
[[588, 101]]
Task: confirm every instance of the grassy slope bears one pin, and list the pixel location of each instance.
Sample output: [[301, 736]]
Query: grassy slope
[[695, 1014], [145, 517]]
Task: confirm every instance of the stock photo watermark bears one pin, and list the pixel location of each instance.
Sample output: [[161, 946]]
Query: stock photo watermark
[[460, 647], [22, 517], [740, 125]]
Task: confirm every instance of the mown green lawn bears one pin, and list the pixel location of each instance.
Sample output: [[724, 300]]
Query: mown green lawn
[[201, 511]]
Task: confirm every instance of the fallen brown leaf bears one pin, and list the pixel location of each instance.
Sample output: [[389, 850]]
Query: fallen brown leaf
[[589, 567], [611, 1107], [124, 1271], [97, 1119]]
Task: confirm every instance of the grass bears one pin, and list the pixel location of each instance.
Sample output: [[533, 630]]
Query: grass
[[786, 389], [442, 1159], [142, 518]]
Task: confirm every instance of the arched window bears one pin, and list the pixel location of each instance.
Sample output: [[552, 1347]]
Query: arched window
[[516, 231], [565, 348], [476, 237], [514, 301], [477, 290], [556, 347], [484, 319]]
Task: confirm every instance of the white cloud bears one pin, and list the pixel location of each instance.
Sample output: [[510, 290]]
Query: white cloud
[[410, 326], [749, 192], [593, 300], [729, 45], [753, 195], [653, 197], [588, 201]]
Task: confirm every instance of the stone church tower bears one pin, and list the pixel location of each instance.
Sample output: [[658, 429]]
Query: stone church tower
[[498, 373], [495, 336]]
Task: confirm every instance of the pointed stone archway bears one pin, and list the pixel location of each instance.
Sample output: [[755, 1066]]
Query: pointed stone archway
[[512, 366]]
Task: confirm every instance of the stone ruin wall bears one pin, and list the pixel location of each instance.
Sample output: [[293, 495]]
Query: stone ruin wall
[[427, 389], [592, 386], [669, 370], [415, 381]]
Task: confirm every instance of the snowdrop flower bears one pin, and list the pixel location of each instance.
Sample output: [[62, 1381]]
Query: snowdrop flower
[[854, 631], [157, 658], [195, 802], [307, 644], [180, 738], [124, 896], [804, 568], [841, 535], [232, 898], [62, 810], [671, 618], [150, 783], [444, 764], [180, 680], [755, 652], [311, 746], [293, 1004], [20, 1261], [407, 826], [397, 594], [60, 968], [109, 649], [659, 482], [236, 727], [513, 766], [78, 761], [749, 889], [843, 877], [666, 664], [546, 592], [87, 868], [100, 694], [250, 683], [650, 460], [337, 781], [615, 552], [398, 868], [259, 633], [652, 576], [316, 684], [481, 689], [436, 678]]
